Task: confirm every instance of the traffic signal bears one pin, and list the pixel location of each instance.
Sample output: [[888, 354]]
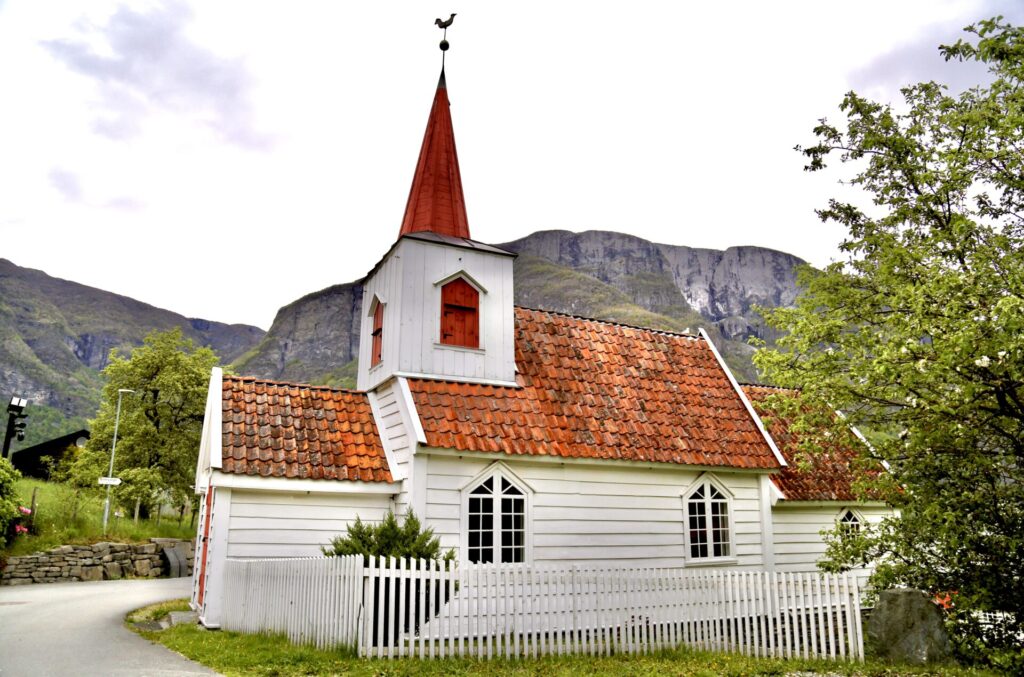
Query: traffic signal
[[15, 422]]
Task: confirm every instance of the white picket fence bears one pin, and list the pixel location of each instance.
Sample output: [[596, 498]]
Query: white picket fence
[[395, 608]]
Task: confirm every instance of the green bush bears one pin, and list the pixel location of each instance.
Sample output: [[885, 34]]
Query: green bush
[[9, 514], [407, 540]]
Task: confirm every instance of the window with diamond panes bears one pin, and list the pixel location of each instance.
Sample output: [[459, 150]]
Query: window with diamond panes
[[497, 522], [849, 522], [708, 522]]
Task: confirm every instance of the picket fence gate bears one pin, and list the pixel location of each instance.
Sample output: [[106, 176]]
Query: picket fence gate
[[392, 608]]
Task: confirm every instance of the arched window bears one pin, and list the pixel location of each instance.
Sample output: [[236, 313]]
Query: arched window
[[460, 316], [708, 530], [377, 334], [496, 530], [849, 522]]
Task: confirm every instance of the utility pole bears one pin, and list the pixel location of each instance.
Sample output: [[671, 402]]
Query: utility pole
[[113, 448]]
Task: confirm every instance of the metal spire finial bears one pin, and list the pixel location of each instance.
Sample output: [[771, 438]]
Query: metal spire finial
[[444, 40]]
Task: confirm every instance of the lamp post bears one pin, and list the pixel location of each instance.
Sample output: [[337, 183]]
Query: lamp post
[[113, 448]]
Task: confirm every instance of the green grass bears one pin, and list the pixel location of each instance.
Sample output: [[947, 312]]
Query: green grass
[[155, 612], [235, 654], [64, 516]]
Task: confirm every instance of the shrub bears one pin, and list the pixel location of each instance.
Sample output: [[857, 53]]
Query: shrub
[[9, 513], [407, 540]]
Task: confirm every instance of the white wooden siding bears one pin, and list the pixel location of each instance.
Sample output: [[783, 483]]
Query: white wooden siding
[[597, 516], [264, 524], [394, 430], [412, 315], [798, 541]]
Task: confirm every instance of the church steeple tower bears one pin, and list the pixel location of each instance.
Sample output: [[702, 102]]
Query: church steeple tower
[[436, 203], [439, 304]]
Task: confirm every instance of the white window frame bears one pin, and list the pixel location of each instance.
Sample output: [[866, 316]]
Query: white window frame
[[861, 522], [496, 470], [707, 480]]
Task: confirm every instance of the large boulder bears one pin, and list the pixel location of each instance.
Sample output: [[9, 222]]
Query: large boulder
[[905, 626]]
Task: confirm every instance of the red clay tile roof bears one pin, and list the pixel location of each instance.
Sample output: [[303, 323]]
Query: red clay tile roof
[[287, 430], [599, 390], [829, 476], [436, 202]]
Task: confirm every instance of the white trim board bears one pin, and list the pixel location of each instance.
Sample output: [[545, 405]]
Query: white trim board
[[285, 484], [602, 462], [743, 398]]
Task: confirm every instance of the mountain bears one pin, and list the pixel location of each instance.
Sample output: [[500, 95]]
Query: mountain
[[56, 335], [597, 274]]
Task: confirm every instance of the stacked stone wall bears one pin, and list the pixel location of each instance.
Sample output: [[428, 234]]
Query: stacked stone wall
[[97, 562]]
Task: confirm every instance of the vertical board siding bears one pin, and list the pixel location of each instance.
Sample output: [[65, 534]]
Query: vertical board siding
[[412, 325], [594, 515], [394, 608]]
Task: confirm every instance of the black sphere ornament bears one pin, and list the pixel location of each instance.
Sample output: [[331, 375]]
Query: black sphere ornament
[[444, 45]]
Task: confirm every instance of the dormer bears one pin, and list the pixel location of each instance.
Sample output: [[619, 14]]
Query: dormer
[[439, 304]]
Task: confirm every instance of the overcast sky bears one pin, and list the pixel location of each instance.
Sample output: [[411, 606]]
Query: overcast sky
[[223, 159]]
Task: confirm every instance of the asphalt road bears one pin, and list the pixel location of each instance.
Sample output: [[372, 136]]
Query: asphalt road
[[78, 629]]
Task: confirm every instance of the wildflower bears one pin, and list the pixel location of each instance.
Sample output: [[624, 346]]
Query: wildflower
[[19, 529], [983, 361], [23, 510]]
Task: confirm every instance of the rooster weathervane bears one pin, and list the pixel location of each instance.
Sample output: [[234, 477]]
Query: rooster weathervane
[[443, 25]]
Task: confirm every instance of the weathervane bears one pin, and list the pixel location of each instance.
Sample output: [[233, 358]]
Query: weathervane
[[444, 40]]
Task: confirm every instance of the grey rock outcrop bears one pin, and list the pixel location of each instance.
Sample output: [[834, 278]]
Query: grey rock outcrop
[[905, 626], [723, 286], [311, 337]]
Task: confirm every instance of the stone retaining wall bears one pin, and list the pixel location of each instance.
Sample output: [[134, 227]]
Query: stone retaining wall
[[102, 561]]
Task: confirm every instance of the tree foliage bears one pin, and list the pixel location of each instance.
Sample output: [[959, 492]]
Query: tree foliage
[[8, 500], [407, 540], [160, 424], [918, 334]]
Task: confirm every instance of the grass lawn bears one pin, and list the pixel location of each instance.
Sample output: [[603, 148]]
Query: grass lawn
[[64, 516], [235, 654]]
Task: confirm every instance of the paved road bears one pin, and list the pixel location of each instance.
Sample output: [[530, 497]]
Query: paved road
[[77, 629]]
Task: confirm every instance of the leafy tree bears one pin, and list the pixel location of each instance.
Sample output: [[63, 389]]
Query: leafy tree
[[8, 500], [918, 334], [160, 424], [407, 540]]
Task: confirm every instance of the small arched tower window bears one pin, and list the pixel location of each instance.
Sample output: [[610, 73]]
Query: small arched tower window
[[460, 314], [377, 334]]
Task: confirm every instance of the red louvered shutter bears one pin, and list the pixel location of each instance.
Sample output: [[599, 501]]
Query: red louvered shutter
[[378, 334], [460, 321]]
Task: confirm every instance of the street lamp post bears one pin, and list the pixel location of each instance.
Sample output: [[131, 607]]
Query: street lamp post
[[113, 448]]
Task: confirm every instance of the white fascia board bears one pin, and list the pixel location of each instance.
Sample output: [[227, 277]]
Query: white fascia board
[[776, 493], [294, 485], [458, 379], [385, 441], [603, 462], [743, 397], [860, 436], [830, 504], [210, 438], [410, 408]]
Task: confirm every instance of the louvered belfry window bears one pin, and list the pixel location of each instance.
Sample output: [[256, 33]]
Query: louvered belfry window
[[460, 314], [377, 334]]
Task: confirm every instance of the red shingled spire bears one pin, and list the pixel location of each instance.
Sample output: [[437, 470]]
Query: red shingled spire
[[436, 203]]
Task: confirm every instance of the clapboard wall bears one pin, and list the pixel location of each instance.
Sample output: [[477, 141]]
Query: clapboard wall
[[599, 514]]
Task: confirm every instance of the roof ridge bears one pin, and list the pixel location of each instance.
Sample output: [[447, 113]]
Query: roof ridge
[[270, 381], [667, 332]]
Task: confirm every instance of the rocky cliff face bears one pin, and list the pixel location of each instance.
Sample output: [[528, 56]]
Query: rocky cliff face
[[722, 286], [595, 274], [312, 339]]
